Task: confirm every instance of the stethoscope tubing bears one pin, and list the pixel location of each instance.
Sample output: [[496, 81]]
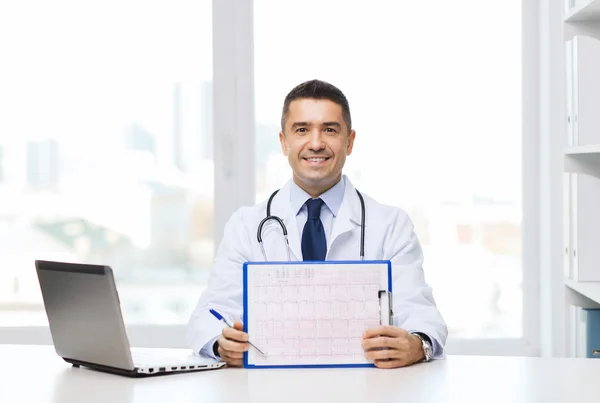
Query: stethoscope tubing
[[270, 217]]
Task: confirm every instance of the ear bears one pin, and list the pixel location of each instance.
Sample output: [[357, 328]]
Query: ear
[[284, 147], [350, 142]]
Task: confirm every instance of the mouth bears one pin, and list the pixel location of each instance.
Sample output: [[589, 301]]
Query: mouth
[[316, 160]]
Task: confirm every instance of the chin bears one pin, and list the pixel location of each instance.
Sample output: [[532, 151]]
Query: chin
[[315, 179]]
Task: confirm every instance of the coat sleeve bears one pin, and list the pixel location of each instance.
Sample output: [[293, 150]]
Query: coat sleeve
[[413, 303], [224, 289]]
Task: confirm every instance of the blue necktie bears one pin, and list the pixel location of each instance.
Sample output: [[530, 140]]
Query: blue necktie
[[314, 245]]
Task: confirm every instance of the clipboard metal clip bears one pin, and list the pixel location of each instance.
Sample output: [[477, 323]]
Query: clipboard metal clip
[[385, 307]]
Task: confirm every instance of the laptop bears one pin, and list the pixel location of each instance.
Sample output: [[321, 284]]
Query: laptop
[[87, 328]]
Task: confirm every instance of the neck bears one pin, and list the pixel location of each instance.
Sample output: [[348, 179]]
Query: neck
[[317, 189]]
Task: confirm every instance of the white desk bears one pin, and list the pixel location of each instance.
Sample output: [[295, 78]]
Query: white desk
[[36, 374]]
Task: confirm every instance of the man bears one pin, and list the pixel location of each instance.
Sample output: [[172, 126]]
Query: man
[[316, 136]]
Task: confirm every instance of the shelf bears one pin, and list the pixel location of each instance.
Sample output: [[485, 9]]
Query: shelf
[[590, 11], [583, 150], [590, 290]]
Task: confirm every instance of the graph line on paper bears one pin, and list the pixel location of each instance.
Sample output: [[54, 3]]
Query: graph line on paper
[[300, 314]]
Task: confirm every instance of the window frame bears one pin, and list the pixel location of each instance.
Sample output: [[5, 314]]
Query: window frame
[[234, 177]]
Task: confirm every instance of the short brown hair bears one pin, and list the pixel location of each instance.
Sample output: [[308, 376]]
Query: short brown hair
[[317, 89]]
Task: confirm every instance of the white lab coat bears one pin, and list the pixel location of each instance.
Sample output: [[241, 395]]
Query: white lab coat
[[389, 235]]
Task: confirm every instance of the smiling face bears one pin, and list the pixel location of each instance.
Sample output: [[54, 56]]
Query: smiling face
[[316, 141]]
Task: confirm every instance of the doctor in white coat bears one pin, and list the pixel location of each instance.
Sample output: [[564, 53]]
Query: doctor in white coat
[[316, 137]]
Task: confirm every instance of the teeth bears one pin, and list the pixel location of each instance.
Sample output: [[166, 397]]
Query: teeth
[[316, 159]]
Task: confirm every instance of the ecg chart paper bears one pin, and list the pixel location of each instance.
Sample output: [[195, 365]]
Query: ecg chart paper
[[312, 314]]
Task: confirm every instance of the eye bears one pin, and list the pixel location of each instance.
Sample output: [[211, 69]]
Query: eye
[[330, 130], [301, 130]]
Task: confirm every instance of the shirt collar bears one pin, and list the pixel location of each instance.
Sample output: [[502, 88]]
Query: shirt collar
[[333, 197]]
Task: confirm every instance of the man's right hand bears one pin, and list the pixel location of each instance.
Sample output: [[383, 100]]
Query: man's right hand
[[232, 344]]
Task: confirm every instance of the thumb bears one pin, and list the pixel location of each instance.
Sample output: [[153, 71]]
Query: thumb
[[238, 326]]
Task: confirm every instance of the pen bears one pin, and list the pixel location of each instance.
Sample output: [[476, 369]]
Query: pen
[[228, 323]]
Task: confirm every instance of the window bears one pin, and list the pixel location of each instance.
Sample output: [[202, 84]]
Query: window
[[435, 96], [106, 151]]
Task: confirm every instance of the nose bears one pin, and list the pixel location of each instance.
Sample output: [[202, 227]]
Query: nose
[[316, 141]]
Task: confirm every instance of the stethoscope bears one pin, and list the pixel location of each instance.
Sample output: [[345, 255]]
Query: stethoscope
[[285, 233]]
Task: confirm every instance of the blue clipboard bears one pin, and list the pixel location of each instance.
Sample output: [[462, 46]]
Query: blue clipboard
[[248, 266]]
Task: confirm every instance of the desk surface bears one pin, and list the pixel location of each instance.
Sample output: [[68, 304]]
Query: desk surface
[[36, 374]]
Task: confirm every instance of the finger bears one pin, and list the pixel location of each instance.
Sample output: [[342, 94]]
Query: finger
[[381, 342], [387, 364], [231, 362], [231, 358], [232, 345], [386, 354], [238, 326], [230, 355], [391, 331], [226, 354], [236, 363], [235, 334]]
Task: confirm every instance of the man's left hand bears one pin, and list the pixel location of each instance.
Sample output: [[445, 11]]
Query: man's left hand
[[392, 347]]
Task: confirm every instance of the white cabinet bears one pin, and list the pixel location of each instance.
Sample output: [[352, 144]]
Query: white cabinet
[[582, 10], [581, 176], [583, 90], [584, 227]]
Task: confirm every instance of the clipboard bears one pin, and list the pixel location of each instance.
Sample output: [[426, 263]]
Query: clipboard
[[313, 314]]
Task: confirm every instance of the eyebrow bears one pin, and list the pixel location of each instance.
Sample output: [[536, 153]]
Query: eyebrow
[[336, 124], [300, 124]]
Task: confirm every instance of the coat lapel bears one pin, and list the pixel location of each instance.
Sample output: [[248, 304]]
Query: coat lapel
[[293, 234], [349, 216], [282, 209]]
